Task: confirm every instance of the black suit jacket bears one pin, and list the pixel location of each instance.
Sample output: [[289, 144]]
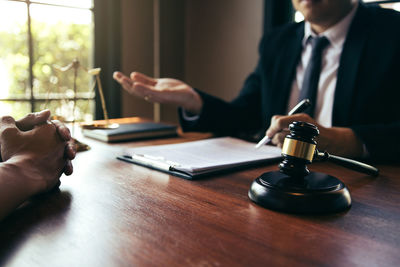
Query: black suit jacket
[[367, 92]]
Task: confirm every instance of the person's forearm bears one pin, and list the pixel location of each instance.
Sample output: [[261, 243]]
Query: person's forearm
[[194, 103], [15, 188], [340, 141]]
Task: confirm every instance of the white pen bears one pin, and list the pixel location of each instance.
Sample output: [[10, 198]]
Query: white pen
[[301, 106]]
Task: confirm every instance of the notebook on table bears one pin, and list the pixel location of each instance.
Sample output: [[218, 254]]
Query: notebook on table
[[131, 131]]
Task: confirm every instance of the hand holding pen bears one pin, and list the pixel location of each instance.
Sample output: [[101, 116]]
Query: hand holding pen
[[300, 107]]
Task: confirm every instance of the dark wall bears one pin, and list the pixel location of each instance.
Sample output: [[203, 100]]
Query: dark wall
[[210, 44]]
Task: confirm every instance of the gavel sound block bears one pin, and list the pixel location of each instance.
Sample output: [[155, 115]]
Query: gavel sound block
[[294, 189]]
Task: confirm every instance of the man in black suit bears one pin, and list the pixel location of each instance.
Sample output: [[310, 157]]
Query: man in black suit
[[355, 90]]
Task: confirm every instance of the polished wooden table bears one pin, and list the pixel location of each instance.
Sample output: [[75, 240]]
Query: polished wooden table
[[112, 213]]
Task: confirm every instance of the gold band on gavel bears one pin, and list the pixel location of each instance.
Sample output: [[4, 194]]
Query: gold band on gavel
[[298, 149]]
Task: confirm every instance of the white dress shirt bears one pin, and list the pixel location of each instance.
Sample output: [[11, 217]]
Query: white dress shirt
[[329, 69]]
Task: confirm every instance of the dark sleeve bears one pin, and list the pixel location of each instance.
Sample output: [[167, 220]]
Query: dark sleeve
[[380, 128], [381, 140]]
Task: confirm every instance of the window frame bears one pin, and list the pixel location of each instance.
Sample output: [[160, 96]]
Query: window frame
[[32, 99], [381, 2]]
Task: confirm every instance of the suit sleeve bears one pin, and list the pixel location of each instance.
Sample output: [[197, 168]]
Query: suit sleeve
[[381, 140], [379, 129]]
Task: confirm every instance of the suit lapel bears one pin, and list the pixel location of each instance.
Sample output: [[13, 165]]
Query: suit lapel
[[286, 69], [348, 68]]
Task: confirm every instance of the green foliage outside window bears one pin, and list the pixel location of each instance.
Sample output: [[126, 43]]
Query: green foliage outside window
[[56, 43], [60, 47]]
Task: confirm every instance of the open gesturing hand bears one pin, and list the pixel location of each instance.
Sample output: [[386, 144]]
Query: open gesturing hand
[[163, 90]]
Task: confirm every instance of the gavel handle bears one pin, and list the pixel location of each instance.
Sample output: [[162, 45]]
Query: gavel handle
[[349, 163]]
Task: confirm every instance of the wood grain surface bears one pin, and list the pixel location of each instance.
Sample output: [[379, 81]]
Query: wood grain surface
[[111, 213]]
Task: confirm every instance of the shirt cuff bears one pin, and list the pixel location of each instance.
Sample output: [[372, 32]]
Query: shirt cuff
[[187, 116]]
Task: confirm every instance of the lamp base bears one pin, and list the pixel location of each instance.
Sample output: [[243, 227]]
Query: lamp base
[[314, 194]]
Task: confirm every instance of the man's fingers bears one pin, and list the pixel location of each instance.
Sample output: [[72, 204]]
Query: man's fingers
[[140, 77], [7, 121], [279, 123], [62, 130], [68, 169], [7, 126], [276, 126], [149, 93], [134, 77], [279, 138], [119, 76], [142, 89], [70, 151], [9, 137], [31, 120], [69, 154], [125, 81]]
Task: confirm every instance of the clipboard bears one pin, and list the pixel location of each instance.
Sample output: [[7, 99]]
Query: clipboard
[[197, 159]]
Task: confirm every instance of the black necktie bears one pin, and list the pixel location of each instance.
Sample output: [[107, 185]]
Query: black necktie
[[309, 88]]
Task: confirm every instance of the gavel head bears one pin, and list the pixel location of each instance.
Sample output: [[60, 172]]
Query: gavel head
[[298, 149]]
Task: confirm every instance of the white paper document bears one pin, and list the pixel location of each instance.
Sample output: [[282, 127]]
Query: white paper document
[[197, 158]]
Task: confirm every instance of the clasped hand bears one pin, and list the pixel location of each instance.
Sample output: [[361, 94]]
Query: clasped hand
[[42, 148]]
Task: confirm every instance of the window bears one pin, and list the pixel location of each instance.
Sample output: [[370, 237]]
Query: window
[[36, 36], [393, 4]]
